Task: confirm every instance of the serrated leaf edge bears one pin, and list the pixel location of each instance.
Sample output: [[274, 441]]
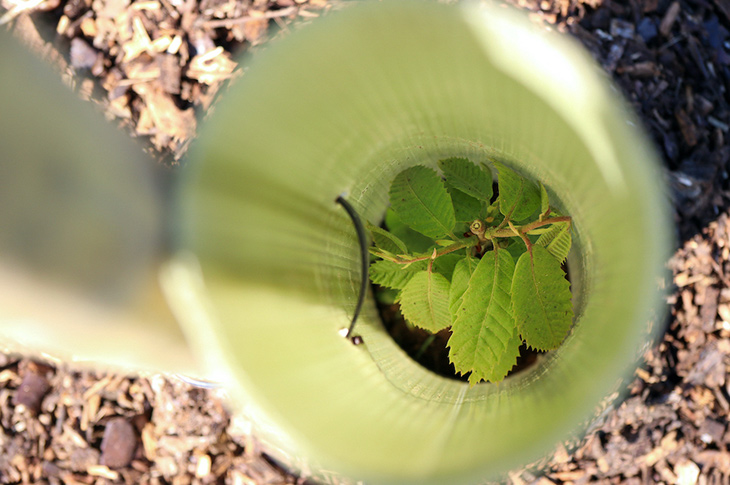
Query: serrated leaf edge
[[529, 254], [484, 374], [552, 241], [447, 230], [388, 235]]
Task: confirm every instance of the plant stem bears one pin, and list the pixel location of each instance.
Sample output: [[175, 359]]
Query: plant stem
[[424, 346], [463, 243], [498, 232], [542, 216], [550, 220], [522, 236]]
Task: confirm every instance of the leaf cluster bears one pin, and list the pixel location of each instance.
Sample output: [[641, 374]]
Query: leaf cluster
[[489, 266]]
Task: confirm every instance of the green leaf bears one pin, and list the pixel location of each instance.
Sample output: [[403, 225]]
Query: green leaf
[[463, 175], [416, 242], [516, 248], [425, 301], [557, 240], [387, 241], [483, 332], [544, 199], [519, 197], [508, 360], [445, 264], [541, 300], [460, 281], [420, 199], [466, 207], [394, 275]]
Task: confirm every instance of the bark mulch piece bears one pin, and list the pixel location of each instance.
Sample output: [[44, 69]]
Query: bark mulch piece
[[155, 65]]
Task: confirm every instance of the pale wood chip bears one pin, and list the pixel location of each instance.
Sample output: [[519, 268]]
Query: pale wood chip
[[163, 119], [63, 24], [146, 5], [175, 44], [71, 435], [140, 42], [211, 67], [91, 408], [88, 27], [102, 471], [9, 376], [669, 18], [202, 469], [98, 386], [149, 441]]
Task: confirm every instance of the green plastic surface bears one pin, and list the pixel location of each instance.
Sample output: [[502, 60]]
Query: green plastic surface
[[340, 107]]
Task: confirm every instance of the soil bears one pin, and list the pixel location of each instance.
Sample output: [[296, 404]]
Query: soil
[[671, 58], [426, 348], [430, 350]]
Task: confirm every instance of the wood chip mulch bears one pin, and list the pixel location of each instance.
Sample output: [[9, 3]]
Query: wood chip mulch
[[63, 425], [154, 65]]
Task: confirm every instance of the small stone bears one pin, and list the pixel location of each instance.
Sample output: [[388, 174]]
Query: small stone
[[647, 29], [622, 28], [31, 392], [83, 56], [118, 443], [711, 431]]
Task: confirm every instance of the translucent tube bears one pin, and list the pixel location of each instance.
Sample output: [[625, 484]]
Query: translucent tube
[[344, 105]]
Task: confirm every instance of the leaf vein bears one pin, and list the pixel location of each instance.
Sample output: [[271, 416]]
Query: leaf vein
[[425, 206]]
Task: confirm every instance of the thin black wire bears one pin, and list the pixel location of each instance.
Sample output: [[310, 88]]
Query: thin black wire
[[364, 259]]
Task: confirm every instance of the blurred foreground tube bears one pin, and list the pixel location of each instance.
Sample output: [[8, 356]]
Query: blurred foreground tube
[[265, 270], [81, 229]]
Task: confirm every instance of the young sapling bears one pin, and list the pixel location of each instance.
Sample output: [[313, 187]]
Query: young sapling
[[490, 268]]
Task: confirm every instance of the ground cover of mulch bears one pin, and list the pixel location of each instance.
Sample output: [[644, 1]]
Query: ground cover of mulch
[[153, 65]]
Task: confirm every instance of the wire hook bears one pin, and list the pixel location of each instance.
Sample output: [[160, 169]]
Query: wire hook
[[364, 260]]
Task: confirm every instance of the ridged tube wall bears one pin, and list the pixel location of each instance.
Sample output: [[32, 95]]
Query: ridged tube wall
[[340, 107]]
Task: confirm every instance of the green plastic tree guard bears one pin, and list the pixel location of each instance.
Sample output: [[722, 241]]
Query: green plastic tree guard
[[341, 107]]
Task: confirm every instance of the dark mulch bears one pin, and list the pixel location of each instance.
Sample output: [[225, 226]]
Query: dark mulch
[[671, 59]]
